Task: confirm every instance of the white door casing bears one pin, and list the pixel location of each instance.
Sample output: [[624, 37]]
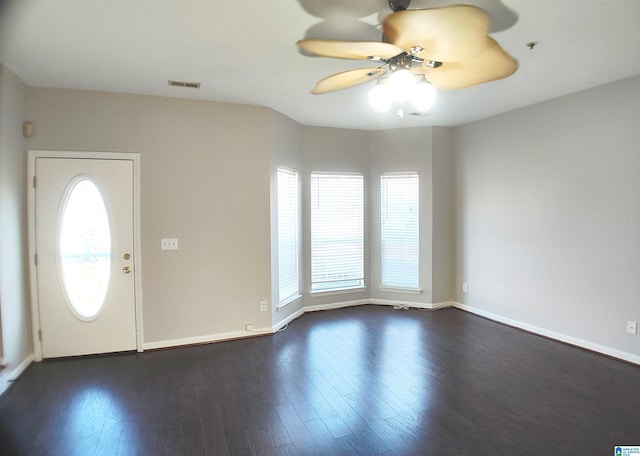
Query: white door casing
[[60, 330]]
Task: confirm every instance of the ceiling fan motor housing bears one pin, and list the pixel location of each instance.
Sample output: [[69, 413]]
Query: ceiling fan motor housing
[[399, 5], [402, 61]]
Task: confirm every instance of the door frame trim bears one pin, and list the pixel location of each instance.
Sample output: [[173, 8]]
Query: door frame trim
[[134, 158]]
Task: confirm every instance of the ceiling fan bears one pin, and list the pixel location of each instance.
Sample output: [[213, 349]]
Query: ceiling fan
[[449, 47]]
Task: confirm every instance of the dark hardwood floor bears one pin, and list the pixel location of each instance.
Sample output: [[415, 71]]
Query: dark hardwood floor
[[366, 380]]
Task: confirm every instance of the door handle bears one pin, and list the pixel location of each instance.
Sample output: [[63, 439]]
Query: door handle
[[126, 269]]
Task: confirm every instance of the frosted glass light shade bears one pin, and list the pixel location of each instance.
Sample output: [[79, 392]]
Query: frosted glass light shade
[[424, 96], [380, 97], [402, 84]]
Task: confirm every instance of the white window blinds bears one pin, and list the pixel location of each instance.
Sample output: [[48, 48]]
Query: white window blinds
[[337, 231], [399, 229], [288, 237]]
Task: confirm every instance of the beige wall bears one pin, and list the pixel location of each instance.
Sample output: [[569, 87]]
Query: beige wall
[[204, 180], [548, 214], [14, 301]]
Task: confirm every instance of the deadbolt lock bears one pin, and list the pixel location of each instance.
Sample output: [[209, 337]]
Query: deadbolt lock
[[127, 256]]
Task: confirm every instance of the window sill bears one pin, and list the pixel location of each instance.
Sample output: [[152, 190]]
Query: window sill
[[401, 290], [337, 291]]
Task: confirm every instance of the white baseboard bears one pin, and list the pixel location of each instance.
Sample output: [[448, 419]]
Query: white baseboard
[[412, 305], [625, 356], [443, 305], [205, 339], [11, 374], [282, 323], [428, 306]]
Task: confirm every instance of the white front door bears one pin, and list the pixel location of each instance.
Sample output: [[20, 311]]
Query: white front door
[[84, 243]]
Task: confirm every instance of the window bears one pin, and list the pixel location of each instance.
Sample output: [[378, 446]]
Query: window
[[85, 249], [288, 235], [337, 231], [399, 234]]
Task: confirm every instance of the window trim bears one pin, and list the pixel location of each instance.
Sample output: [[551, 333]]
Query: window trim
[[283, 302], [408, 290], [392, 288], [354, 287]]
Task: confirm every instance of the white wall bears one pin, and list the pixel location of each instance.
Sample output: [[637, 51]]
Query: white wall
[[205, 176], [14, 302], [548, 215]]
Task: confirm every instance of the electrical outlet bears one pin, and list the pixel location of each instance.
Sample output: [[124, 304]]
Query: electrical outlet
[[465, 288], [168, 244], [249, 327], [263, 306], [632, 327]]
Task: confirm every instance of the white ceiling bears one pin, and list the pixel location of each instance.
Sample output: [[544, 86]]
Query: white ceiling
[[243, 51]]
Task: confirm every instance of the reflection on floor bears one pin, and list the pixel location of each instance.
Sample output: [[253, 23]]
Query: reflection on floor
[[367, 380]]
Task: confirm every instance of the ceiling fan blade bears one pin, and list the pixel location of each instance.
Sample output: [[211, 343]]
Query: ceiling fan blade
[[347, 79], [358, 50], [491, 64], [448, 33]]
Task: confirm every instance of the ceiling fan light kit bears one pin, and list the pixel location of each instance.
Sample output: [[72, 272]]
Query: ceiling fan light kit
[[402, 83], [444, 48], [424, 96], [380, 97]]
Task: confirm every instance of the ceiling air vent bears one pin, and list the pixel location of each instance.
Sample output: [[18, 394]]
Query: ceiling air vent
[[189, 85]]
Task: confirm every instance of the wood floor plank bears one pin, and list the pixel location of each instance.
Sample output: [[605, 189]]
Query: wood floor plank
[[303, 408], [324, 410], [366, 380], [211, 423], [365, 443], [323, 442], [295, 427], [348, 414]]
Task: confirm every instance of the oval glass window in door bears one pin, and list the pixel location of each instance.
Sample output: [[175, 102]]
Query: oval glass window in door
[[85, 249]]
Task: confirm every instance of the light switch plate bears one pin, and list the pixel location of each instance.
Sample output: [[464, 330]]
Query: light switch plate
[[168, 244]]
